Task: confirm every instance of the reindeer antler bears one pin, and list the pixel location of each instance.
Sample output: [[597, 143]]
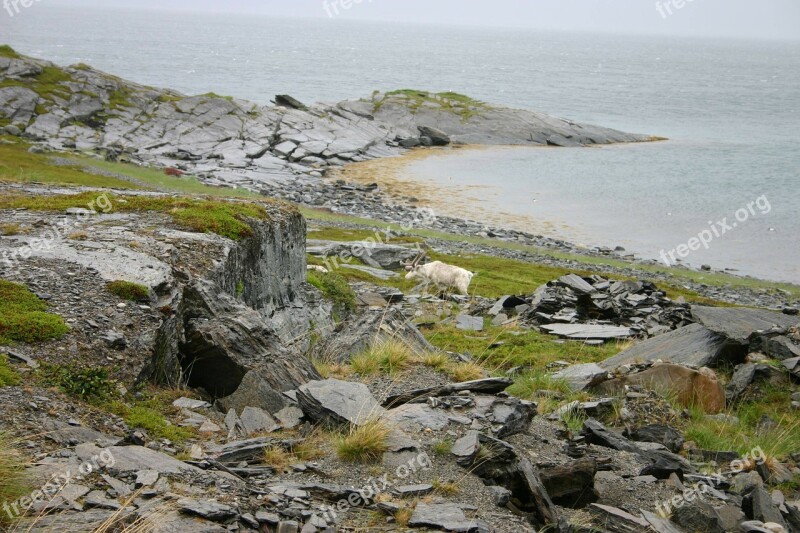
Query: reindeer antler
[[415, 262]]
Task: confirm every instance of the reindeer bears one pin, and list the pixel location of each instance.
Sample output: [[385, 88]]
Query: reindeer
[[444, 276]]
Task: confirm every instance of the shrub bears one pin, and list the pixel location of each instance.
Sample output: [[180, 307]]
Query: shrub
[[23, 316], [84, 383], [129, 291], [363, 444]]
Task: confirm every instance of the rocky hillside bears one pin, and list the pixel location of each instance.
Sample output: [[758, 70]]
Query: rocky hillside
[[229, 141]]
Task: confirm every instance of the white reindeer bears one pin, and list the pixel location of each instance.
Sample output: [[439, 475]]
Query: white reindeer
[[444, 276]]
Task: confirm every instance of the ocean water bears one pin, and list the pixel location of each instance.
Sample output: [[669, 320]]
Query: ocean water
[[730, 108]]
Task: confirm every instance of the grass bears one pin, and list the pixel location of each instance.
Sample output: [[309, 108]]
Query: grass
[[435, 360], [8, 376], [443, 447], [218, 96], [15, 482], [280, 458], [9, 229], [7, 51], [127, 290], [328, 369], [363, 444], [24, 317], [226, 218], [335, 288], [462, 372], [779, 441], [452, 102], [445, 488], [154, 423]]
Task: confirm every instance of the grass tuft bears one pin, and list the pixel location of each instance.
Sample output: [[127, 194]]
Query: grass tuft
[[14, 481], [389, 357], [9, 229], [127, 290], [363, 444], [335, 288], [8, 376], [462, 372]]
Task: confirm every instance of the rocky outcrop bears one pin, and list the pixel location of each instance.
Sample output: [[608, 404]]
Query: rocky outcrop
[[228, 141]]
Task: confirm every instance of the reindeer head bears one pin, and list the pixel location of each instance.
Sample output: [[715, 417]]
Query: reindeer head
[[413, 266]]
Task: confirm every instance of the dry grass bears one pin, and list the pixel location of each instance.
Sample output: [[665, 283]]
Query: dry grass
[[462, 372], [78, 236], [363, 444], [389, 357], [9, 229], [445, 488], [403, 516], [435, 360]]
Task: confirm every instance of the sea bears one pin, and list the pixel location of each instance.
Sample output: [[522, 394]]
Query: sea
[[730, 109]]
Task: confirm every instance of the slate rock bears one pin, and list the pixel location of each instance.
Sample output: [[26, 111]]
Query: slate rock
[[469, 323], [255, 420], [670, 437], [210, 510], [739, 323], [445, 516], [336, 402], [581, 377]]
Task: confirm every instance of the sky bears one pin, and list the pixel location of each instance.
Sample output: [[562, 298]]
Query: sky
[[766, 19]]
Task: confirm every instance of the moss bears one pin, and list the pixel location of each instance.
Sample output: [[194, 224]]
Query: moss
[[167, 98], [120, 98], [452, 102], [218, 96], [225, 218], [8, 376], [335, 288], [24, 317], [129, 291], [7, 51]]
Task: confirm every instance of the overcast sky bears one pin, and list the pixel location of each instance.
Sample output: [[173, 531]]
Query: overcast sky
[[772, 19]]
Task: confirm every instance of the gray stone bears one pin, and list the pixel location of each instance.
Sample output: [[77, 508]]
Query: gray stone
[[255, 420], [336, 402], [485, 385], [469, 323], [501, 495], [739, 323], [413, 491], [290, 417], [581, 377], [418, 416], [146, 478], [691, 345], [588, 331], [446, 516], [130, 459], [97, 499], [191, 403], [210, 510]]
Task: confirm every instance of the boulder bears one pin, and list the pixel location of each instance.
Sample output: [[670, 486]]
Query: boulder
[[692, 345], [668, 436], [334, 402], [691, 387], [581, 377], [571, 485], [739, 323], [437, 136]]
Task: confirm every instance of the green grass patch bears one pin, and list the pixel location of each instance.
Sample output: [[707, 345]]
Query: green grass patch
[[334, 287], [452, 102], [778, 441], [8, 376], [154, 423], [127, 290], [24, 317], [120, 98], [48, 84], [225, 218], [9, 229], [89, 384], [7, 51]]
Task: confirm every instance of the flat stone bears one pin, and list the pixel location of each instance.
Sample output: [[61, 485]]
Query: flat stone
[[588, 331], [418, 416], [338, 402], [210, 510], [191, 403], [581, 377], [255, 420], [146, 478], [739, 323], [413, 491], [290, 417], [446, 516], [469, 323], [129, 459], [691, 345]]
